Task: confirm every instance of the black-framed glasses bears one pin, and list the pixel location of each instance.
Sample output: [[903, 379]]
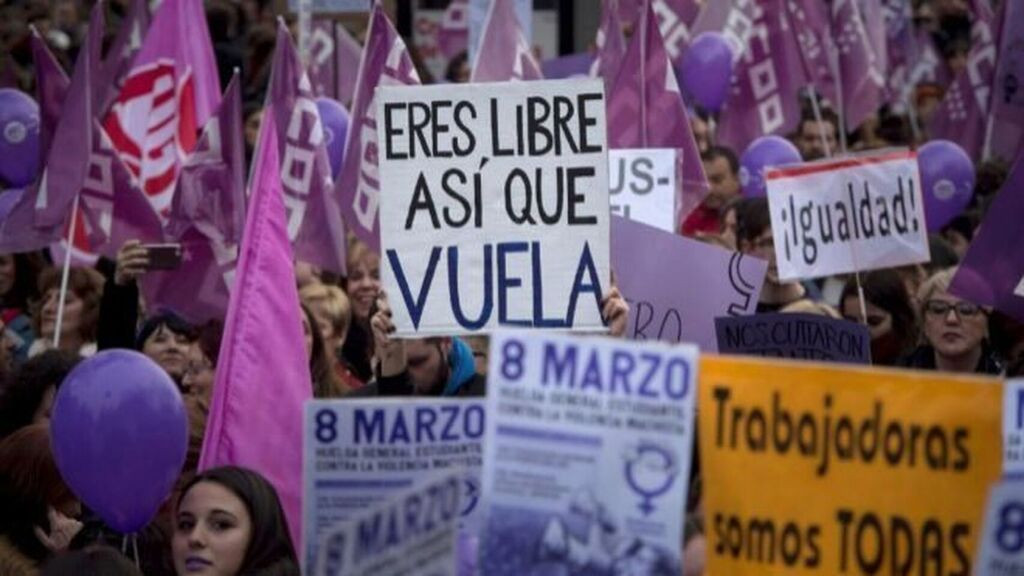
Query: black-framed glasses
[[941, 308]]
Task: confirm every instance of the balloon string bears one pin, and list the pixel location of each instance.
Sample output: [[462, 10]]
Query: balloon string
[[135, 550]]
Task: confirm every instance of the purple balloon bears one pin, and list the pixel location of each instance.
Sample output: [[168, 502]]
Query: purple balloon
[[706, 70], [947, 182], [334, 119], [119, 435], [765, 152], [19, 138], [8, 199]]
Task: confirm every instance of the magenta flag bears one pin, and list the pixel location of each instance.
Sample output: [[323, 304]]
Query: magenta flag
[[51, 90], [611, 46], [210, 194], [314, 214], [1008, 94], [962, 116], [992, 271], [646, 110], [263, 374], [504, 53], [675, 20], [334, 61], [385, 61], [121, 53], [859, 35], [809, 20], [170, 92]]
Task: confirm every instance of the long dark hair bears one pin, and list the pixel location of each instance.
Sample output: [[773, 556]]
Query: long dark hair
[[23, 291], [270, 549], [885, 288], [326, 383]]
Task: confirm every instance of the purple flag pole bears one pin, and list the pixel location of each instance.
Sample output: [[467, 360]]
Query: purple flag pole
[[65, 273]]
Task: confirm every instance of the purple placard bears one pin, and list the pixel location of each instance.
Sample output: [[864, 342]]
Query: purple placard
[[799, 336], [676, 286]]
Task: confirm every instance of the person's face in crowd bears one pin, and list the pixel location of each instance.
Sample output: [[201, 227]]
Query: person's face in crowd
[[169, 350], [879, 321], [65, 16], [307, 336], [809, 141], [725, 185], [957, 62], [211, 532], [926, 108], [72, 321], [427, 362], [957, 242], [729, 228], [199, 374], [252, 129], [306, 274], [463, 73], [695, 556], [954, 327], [763, 247], [6, 350], [480, 345], [322, 320], [363, 284], [701, 133], [6, 273]]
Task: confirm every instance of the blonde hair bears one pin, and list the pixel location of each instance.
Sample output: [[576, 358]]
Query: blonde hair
[[938, 282], [809, 307], [332, 301]]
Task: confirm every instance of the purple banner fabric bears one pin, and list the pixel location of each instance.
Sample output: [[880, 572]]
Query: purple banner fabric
[[810, 22], [902, 50], [1008, 94], [334, 61], [199, 289], [611, 46], [675, 20], [314, 214], [992, 271], [504, 53], [385, 62], [571, 66], [17, 232], [121, 54], [859, 35], [51, 90], [655, 271], [795, 336]]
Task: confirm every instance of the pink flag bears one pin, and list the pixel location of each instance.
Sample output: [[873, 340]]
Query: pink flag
[[314, 214], [263, 373], [171, 91], [646, 110], [962, 116], [121, 54], [1008, 92], [51, 90], [504, 53], [611, 46], [334, 61], [675, 20], [385, 62], [859, 35]]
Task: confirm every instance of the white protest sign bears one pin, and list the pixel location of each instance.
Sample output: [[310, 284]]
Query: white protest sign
[[642, 186], [362, 451], [1001, 552], [589, 442], [1013, 426], [846, 215], [412, 532], [496, 206]]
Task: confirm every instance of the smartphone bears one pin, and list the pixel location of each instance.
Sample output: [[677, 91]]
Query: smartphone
[[163, 256]]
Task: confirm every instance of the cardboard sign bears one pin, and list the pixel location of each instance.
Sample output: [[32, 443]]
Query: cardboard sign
[[822, 470], [1013, 427], [587, 465], [1002, 541], [676, 286], [360, 452], [847, 215], [804, 336], [412, 532], [496, 211], [642, 186]]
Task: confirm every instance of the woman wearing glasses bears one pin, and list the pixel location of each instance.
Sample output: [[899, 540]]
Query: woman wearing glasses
[[955, 331]]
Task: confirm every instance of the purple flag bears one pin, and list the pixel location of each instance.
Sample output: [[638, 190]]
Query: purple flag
[[992, 271], [646, 110], [504, 53], [669, 306], [210, 195], [961, 117], [675, 21], [571, 66], [767, 78], [17, 232], [902, 50], [51, 90], [385, 62], [121, 54], [334, 61], [207, 270], [859, 35], [66, 165], [810, 22], [1008, 92], [611, 46], [314, 215]]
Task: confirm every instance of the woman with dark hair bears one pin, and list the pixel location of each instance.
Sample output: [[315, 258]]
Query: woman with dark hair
[[38, 509], [18, 290], [362, 286], [326, 383], [890, 314], [81, 311], [166, 338], [229, 521], [28, 396]]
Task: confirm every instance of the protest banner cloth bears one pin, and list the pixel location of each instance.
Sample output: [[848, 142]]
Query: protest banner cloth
[[1013, 427], [848, 215], [1001, 552], [478, 10], [587, 466], [642, 186], [357, 453], [672, 308], [803, 336], [844, 470], [411, 532], [334, 57], [503, 52], [496, 211]]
